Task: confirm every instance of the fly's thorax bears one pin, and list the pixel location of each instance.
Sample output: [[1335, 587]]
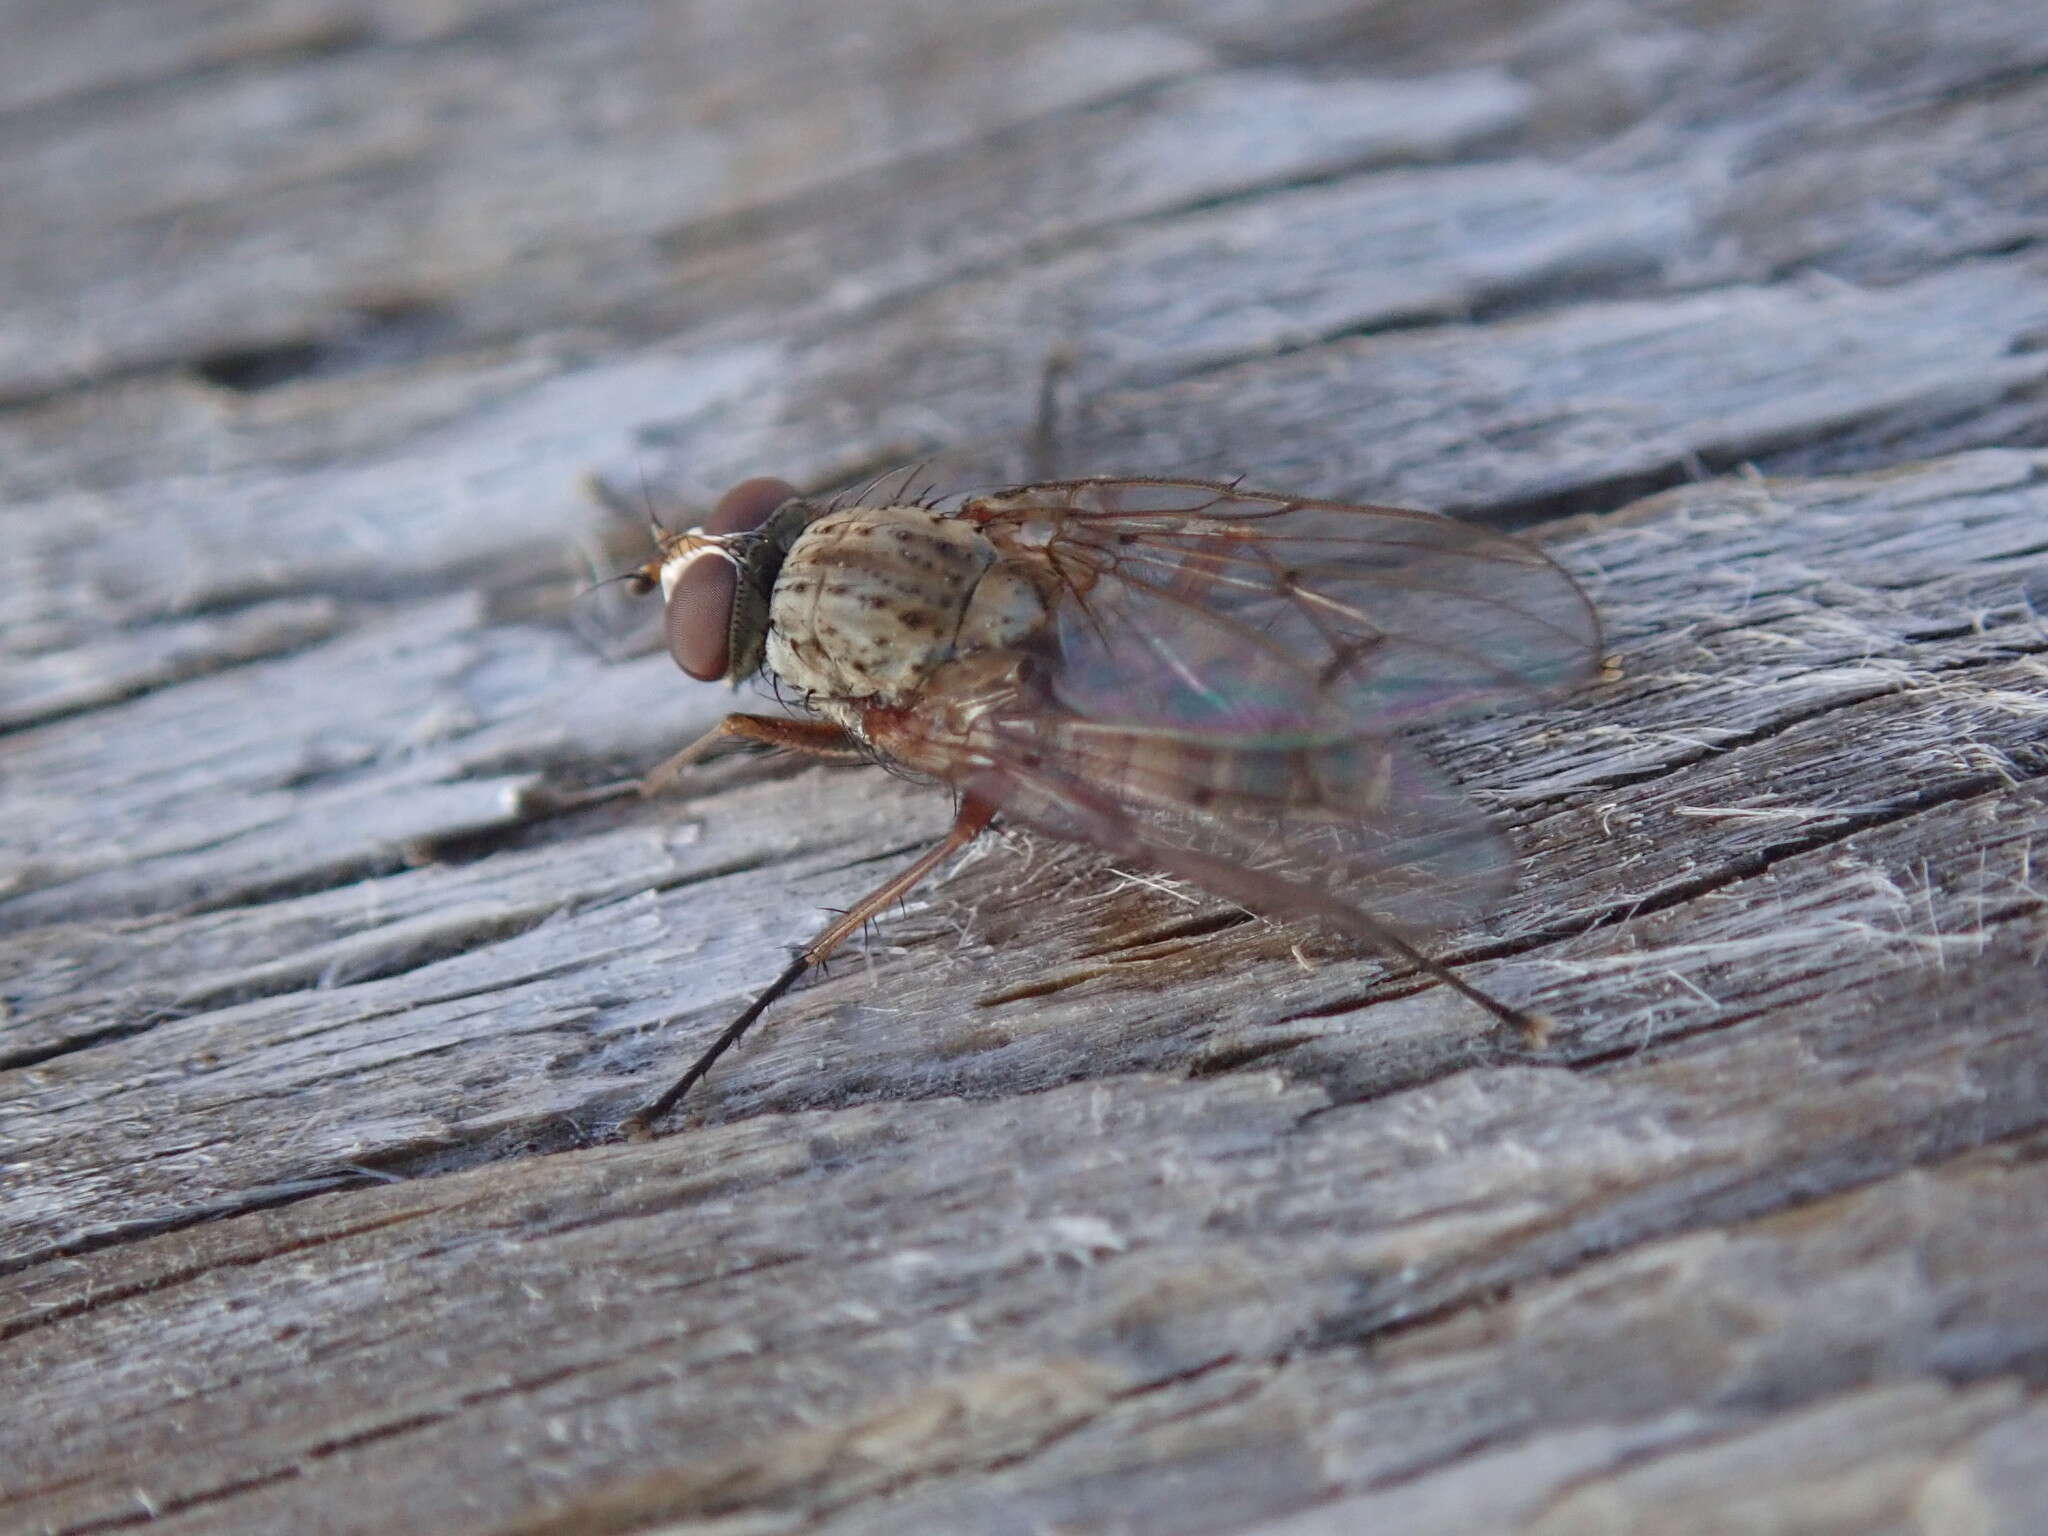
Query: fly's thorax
[[870, 600]]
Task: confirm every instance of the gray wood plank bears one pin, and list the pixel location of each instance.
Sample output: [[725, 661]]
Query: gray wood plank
[[1073, 1198], [1642, 806]]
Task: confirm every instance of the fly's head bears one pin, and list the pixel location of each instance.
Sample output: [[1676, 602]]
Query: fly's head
[[715, 579]]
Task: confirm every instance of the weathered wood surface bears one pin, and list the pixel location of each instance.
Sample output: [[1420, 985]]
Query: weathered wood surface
[[1078, 1203]]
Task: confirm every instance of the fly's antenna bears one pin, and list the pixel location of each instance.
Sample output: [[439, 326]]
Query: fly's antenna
[[637, 579], [599, 627], [640, 579]]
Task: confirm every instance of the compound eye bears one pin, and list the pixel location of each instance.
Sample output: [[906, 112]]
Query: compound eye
[[748, 505], [698, 619]]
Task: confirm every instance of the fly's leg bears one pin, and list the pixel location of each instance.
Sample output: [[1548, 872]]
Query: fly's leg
[[1111, 827], [967, 825], [813, 738], [1059, 364]]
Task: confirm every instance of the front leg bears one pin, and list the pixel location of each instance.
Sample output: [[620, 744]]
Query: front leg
[[813, 738]]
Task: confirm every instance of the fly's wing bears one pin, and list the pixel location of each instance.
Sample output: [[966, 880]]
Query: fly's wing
[[1361, 834], [1228, 614], [1225, 677]]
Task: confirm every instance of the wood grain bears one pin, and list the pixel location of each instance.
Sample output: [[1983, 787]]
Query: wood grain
[[1077, 1200]]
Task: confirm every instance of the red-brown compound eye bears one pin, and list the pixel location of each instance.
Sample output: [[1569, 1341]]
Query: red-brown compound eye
[[698, 620], [747, 505]]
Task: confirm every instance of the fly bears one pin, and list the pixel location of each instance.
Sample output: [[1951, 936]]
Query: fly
[[1205, 679]]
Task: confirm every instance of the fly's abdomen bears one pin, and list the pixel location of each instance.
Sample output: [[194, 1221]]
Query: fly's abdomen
[[871, 599]]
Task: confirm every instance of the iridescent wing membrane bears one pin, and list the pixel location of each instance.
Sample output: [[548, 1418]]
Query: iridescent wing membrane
[[1226, 680]]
